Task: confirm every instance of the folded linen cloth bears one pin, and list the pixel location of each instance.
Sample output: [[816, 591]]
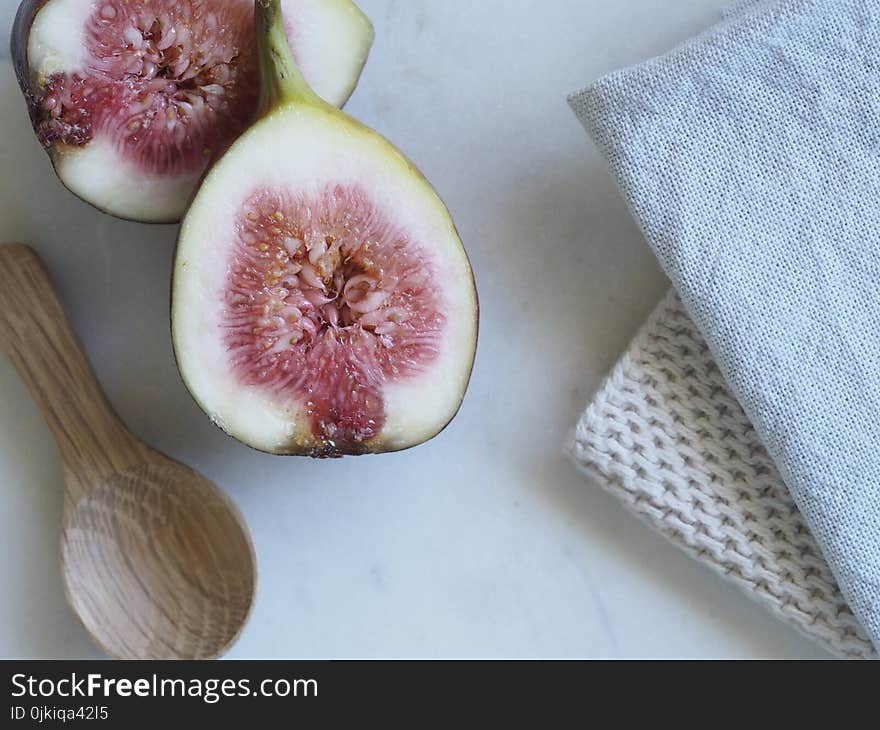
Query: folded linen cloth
[[750, 158], [665, 435]]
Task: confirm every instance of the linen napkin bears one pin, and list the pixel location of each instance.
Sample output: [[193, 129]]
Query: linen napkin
[[750, 158]]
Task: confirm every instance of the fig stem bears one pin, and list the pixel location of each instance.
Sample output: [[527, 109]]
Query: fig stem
[[281, 81]]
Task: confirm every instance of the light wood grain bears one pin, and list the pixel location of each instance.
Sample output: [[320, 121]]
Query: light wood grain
[[157, 562]]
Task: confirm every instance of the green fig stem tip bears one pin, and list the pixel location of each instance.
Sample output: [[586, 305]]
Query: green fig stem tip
[[281, 81]]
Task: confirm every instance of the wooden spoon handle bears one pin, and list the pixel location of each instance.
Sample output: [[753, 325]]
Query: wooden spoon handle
[[39, 341]]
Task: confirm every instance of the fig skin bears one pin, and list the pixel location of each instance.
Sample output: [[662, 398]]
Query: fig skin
[[282, 86], [18, 48]]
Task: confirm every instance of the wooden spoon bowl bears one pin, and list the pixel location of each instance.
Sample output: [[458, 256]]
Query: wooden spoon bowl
[[157, 562], [166, 558]]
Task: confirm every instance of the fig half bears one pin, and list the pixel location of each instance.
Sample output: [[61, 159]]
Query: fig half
[[323, 303], [133, 99]]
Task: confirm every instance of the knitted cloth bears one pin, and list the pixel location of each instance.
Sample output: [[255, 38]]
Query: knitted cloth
[[665, 435], [750, 159]]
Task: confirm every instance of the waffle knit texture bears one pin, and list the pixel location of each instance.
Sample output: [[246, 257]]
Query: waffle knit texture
[[750, 158], [665, 435]]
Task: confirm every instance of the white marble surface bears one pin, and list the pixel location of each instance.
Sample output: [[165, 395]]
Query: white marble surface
[[485, 542]]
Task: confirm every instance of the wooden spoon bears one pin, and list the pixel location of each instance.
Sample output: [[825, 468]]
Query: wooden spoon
[[157, 562]]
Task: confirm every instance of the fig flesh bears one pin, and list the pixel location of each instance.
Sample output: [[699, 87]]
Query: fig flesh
[[323, 303], [133, 99]]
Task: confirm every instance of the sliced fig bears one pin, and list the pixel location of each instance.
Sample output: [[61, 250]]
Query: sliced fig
[[323, 303], [133, 99]]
